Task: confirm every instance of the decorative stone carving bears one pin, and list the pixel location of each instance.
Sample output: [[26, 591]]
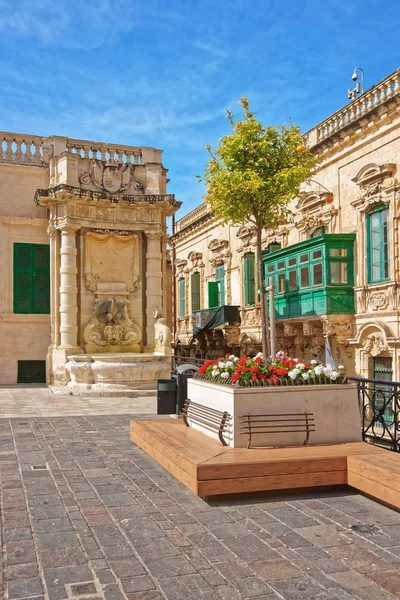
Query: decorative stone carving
[[378, 300], [111, 329], [316, 211], [112, 177], [196, 258], [220, 252], [111, 257], [375, 344], [162, 335], [373, 180], [181, 267]]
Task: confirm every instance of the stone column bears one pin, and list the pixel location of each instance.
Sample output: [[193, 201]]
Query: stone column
[[54, 286], [154, 292], [68, 290]]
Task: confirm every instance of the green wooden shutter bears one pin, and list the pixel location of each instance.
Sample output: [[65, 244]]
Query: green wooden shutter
[[249, 280], [212, 294], [220, 280], [41, 279], [182, 307], [195, 281], [22, 278], [31, 278]]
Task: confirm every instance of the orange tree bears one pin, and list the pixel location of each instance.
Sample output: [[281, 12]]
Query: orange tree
[[253, 176]]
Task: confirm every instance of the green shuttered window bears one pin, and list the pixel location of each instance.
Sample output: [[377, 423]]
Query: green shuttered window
[[220, 280], [31, 279], [378, 245], [182, 303], [195, 281], [249, 280]]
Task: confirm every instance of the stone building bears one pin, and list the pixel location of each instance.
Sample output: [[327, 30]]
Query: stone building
[[337, 278], [84, 261]]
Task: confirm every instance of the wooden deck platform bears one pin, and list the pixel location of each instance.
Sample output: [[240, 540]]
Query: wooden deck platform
[[209, 469]]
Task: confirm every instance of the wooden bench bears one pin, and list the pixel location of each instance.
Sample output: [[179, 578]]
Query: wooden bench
[[214, 420], [279, 423]]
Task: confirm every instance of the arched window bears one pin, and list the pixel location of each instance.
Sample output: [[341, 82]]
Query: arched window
[[317, 232], [377, 222]]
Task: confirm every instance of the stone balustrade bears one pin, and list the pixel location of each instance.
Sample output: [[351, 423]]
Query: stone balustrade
[[21, 148], [372, 98], [194, 215]]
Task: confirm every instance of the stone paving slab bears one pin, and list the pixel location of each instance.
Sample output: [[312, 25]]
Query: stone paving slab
[[87, 514]]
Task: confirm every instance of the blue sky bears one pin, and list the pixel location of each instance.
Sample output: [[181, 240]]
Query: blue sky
[[161, 74]]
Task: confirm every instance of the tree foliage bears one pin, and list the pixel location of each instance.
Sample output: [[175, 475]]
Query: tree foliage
[[253, 176], [256, 171]]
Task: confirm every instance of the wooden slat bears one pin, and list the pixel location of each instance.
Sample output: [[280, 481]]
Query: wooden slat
[[384, 470], [272, 482], [376, 490]]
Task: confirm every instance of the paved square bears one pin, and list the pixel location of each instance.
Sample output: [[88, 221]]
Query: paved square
[[99, 519]]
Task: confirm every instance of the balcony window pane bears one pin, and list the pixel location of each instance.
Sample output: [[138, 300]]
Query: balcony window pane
[[304, 258], [270, 268], [317, 254], [281, 265], [281, 283], [292, 281], [338, 272], [291, 262], [317, 274], [338, 252], [304, 277]]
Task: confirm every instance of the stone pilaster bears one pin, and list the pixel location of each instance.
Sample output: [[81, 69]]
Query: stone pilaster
[[68, 290], [154, 294]]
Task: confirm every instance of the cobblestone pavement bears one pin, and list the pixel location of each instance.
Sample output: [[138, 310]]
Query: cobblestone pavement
[[86, 514]]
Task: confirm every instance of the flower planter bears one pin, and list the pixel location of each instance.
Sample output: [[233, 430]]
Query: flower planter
[[334, 406]]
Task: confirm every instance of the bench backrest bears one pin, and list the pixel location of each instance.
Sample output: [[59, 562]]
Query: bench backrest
[[210, 418], [277, 423]]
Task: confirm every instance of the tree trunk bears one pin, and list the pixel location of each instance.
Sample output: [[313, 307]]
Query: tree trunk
[[263, 302]]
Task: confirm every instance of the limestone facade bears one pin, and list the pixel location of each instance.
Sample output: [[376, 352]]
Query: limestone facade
[[102, 210], [359, 171]]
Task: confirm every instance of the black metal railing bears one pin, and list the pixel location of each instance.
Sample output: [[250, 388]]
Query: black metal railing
[[380, 409]]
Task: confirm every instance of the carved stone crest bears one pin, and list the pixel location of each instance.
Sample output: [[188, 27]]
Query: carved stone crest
[[378, 300], [112, 177], [111, 329]]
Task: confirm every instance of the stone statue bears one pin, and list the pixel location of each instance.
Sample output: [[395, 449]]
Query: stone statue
[[162, 335]]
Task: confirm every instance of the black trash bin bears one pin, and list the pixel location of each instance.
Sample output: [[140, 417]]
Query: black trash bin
[[166, 396], [183, 373]]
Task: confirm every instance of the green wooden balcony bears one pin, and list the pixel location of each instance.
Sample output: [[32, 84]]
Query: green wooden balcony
[[314, 277]]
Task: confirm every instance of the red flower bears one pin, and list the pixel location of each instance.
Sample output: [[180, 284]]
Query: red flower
[[258, 360], [263, 376], [208, 363], [227, 355], [203, 369], [254, 369], [281, 371], [254, 378], [274, 379], [235, 377], [308, 365], [242, 361]]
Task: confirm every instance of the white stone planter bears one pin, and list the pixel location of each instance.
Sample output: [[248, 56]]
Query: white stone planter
[[335, 408]]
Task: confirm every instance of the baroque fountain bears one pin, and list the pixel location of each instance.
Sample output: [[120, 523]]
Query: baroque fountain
[[110, 284]]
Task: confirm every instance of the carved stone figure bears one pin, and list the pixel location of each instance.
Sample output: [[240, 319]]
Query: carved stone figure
[[375, 344], [110, 329], [162, 335]]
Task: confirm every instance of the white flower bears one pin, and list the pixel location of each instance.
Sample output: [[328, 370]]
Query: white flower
[[311, 373], [333, 375], [340, 368], [313, 362], [319, 369], [222, 364], [236, 359], [327, 371], [300, 366], [306, 376], [293, 374], [296, 360], [228, 364], [225, 375], [232, 357], [215, 373]]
